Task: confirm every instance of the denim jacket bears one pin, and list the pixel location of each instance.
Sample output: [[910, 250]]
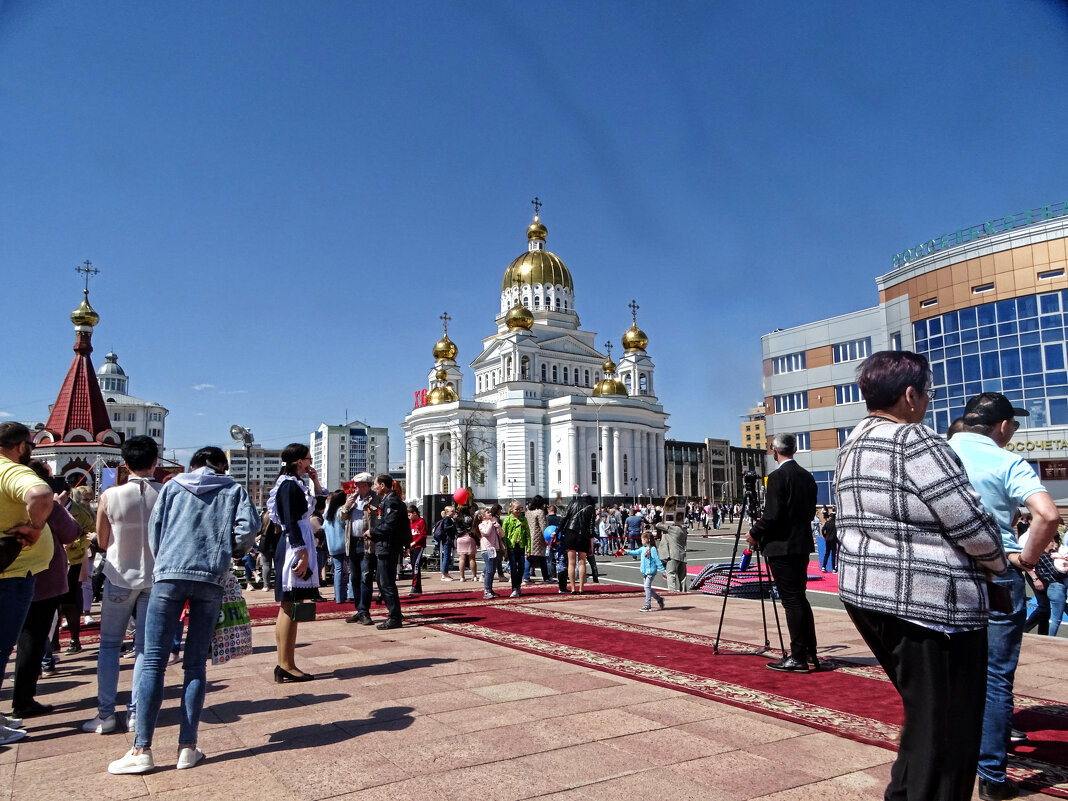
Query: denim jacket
[[651, 564], [201, 521]]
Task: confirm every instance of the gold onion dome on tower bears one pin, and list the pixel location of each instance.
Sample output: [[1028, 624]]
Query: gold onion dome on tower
[[85, 314], [519, 316], [445, 348], [537, 265], [609, 385], [635, 339], [442, 393]]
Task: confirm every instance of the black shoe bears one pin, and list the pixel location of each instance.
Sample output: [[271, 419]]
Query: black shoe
[[32, 710], [1017, 736], [285, 677], [362, 618], [789, 665], [389, 623], [998, 791]]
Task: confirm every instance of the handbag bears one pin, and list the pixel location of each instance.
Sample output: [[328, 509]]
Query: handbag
[[303, 612], [233, 632], [10, 548]]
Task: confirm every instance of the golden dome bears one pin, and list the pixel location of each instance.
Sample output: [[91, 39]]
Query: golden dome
[[537, 267], [84, 314], [519, 316], [609, 366], [445, 348], [536, 230], [609, 386], [442, 374], [441, 394], [635, 339]]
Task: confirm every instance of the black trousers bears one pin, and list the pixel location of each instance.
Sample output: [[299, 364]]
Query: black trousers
[[31, 648], [942, 681], [516, 563], [387, 583], [790, 573]]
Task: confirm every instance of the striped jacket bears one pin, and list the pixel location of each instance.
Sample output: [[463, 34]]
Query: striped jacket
[[914, 539]]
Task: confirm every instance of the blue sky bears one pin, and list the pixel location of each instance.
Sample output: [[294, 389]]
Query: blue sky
[[283, 197]]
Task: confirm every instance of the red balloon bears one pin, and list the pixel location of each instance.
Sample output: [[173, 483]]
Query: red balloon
[[460, 496]]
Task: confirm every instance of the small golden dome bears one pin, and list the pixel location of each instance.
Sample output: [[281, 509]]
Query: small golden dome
[[536, 230], [84, 314], [519, 316], [441, 394], [442, 374], [445, 348], [635, 339], [609, 386], [609, 366]]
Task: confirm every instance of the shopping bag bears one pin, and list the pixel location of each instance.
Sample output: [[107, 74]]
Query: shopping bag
[[233, 632]]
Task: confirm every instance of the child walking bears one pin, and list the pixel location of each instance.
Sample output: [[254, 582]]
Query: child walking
[[650, 566]]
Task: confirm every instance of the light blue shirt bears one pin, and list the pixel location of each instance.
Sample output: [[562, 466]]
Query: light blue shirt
[[1004, 481]]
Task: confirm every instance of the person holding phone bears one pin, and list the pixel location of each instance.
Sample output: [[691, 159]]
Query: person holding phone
[[296, 572]]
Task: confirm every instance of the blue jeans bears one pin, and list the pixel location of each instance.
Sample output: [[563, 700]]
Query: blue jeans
[[116, 607], [161, 623], [1004, 635], [489, 570], [650, 593], [341, 578], [16, 594], [1056, 593], [446, 556]]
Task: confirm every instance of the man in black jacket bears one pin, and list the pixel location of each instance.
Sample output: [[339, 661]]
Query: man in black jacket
[[784, 535], [391, 533]]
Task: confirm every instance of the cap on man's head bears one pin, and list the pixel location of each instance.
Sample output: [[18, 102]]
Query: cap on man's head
[[363, 478], [990, 408]]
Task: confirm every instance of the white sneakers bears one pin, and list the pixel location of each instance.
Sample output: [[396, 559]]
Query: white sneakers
[[133, 763], [11, 723], [131, 721], [99, 725], [188, 757], [9, 735]]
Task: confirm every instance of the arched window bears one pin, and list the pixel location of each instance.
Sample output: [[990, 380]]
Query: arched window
[[543, 369], [532, 463], [504, 465], [508, 368], [537, 302], [480, 383], [524, 368], [558, 457], [554, 373], [643, 384], [587, 378], [565, 304], [593, 468], [576, 377], [626, 473], [565, 375], [626, 380]]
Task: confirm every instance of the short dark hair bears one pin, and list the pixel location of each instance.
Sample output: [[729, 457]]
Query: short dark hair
[[885, 376], [210, 456], [413, 509], [12, 433], [537, 502], [385, 480], [140, 452]]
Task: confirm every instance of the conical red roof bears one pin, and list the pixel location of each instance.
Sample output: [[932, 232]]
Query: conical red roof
[[80, 404]]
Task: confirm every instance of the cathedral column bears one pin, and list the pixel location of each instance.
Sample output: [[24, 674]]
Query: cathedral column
[[412, 486], [573, 455], [603, 464], [660, 466], [617, 462], [435, 465]]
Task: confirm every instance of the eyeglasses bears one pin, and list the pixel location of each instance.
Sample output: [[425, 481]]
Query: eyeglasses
[[931, 392], [1015, 425]]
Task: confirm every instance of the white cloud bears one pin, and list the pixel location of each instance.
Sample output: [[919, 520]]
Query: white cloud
[[6, 414], [234, 392], [199, 387]]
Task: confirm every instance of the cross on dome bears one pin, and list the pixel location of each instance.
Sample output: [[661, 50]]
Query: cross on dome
[[445, 320], [633, 306], [87, 268], [537, 204]]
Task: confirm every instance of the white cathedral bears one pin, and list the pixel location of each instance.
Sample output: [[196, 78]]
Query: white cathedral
[[551, 414]]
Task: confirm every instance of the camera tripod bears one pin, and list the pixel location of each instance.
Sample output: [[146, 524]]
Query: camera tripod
[[752, 507]]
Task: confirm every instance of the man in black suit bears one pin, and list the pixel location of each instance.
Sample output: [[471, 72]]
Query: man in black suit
[[784, 535]]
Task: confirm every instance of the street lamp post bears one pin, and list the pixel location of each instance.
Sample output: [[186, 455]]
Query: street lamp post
[[511, 487], [244, 436], [634, 489]]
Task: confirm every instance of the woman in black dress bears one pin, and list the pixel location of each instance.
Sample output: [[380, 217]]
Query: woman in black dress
[[296, 573]]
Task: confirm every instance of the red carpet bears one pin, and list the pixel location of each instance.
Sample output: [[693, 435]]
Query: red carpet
[[849, 700]]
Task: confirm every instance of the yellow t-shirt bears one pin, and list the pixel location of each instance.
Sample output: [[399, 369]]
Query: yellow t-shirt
[[15, 481]]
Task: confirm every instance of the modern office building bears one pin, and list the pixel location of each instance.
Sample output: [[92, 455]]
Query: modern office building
[[987, 305], [340, 452], [753, 432]]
